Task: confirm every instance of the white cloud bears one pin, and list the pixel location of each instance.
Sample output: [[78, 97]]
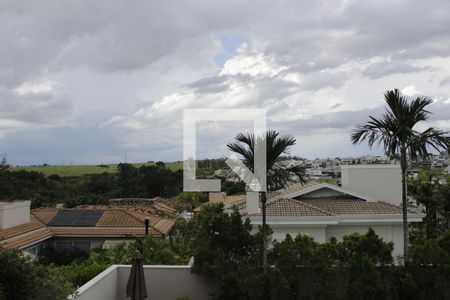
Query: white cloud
[[132, 67], [411, 90]]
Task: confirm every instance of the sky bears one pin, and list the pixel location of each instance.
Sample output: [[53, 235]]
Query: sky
[[87, 82]]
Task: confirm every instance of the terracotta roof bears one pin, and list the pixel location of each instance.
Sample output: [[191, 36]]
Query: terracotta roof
[[285, 207], [157, 205], [117, 222], [118, 218], [20, 229], [352, 206], [45, 215], [27, 238], [216, 197], [162, 225], [233, 199]]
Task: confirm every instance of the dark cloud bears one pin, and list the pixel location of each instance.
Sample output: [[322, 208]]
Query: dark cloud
[[35, 108], [381, 69], [143, 62], [445, 81]]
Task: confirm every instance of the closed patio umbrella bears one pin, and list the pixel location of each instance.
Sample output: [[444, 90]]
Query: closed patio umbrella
[[136, 289]]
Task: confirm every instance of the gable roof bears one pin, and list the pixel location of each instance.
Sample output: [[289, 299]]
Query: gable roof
[[297, 191], [294, 203]]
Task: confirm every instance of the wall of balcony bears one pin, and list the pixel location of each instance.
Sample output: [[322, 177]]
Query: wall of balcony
[[163, 282]]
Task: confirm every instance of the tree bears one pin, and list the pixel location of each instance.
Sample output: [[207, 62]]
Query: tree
[[21, 278], [3, 162], [425, 190], [278, 176], [395, 130]]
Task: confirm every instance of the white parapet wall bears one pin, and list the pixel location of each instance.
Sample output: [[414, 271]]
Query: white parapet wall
[[162, 282], [379, 182], [14, 213]]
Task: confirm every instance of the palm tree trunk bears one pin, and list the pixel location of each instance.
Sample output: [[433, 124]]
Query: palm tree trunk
[[264, 230], [404, 207]]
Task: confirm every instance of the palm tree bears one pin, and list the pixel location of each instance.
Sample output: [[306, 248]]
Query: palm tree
[[278, 176], [395, 131]]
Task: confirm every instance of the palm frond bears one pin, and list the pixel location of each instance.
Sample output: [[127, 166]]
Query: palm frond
[[395, 129], [277, 177]]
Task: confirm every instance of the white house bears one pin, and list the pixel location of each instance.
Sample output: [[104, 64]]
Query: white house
[[324, 210]]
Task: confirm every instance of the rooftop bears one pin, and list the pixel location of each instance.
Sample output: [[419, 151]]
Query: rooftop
[[105, 221]]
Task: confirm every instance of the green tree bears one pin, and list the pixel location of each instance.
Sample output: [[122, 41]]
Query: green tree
[[3, 162], [396, 131], [278, 176], [192, 199], [22, 279], [424, 190]]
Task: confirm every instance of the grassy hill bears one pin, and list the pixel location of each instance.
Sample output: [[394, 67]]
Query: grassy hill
[[80, 170]]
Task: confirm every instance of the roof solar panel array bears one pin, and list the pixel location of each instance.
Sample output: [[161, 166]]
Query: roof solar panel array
[[76, 218]]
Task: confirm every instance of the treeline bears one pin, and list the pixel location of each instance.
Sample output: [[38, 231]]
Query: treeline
[[360, 266], [129, 181]]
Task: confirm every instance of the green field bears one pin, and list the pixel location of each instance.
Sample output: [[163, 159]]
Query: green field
[[80, 170]]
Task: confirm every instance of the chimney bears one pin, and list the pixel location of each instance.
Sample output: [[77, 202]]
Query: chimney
[[379, 182], [146, 223], [14, 213], [252, 202]]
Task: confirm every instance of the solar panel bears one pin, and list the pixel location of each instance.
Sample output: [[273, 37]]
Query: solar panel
[[86, 218]]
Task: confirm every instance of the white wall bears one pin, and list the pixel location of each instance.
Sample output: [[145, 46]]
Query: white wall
[[389, 233], [101, 287], [14, 213], [379, 182], [318, 233], [167, 283], [162, 283]]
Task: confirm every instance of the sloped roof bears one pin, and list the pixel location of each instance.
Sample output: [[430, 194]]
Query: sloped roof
[[291, 189], [282, 204], [284, 207], [48, 222], [20, 229], [26, 238], [351, 206], [299, 191]]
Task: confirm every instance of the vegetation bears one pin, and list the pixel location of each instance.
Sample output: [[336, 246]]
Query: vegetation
[[277, 176], [358, 267], [81, 170], [228, 254], [129, 181], [21, 278], [396, 132], [432, 190]]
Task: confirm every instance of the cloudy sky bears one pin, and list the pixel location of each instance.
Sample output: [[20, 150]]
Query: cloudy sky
[[98, 81]]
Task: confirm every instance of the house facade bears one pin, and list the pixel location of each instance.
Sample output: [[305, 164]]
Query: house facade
[[323, 210]]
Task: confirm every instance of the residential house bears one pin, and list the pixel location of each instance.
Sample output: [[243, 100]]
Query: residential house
[[83, 228], [323, 210]]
